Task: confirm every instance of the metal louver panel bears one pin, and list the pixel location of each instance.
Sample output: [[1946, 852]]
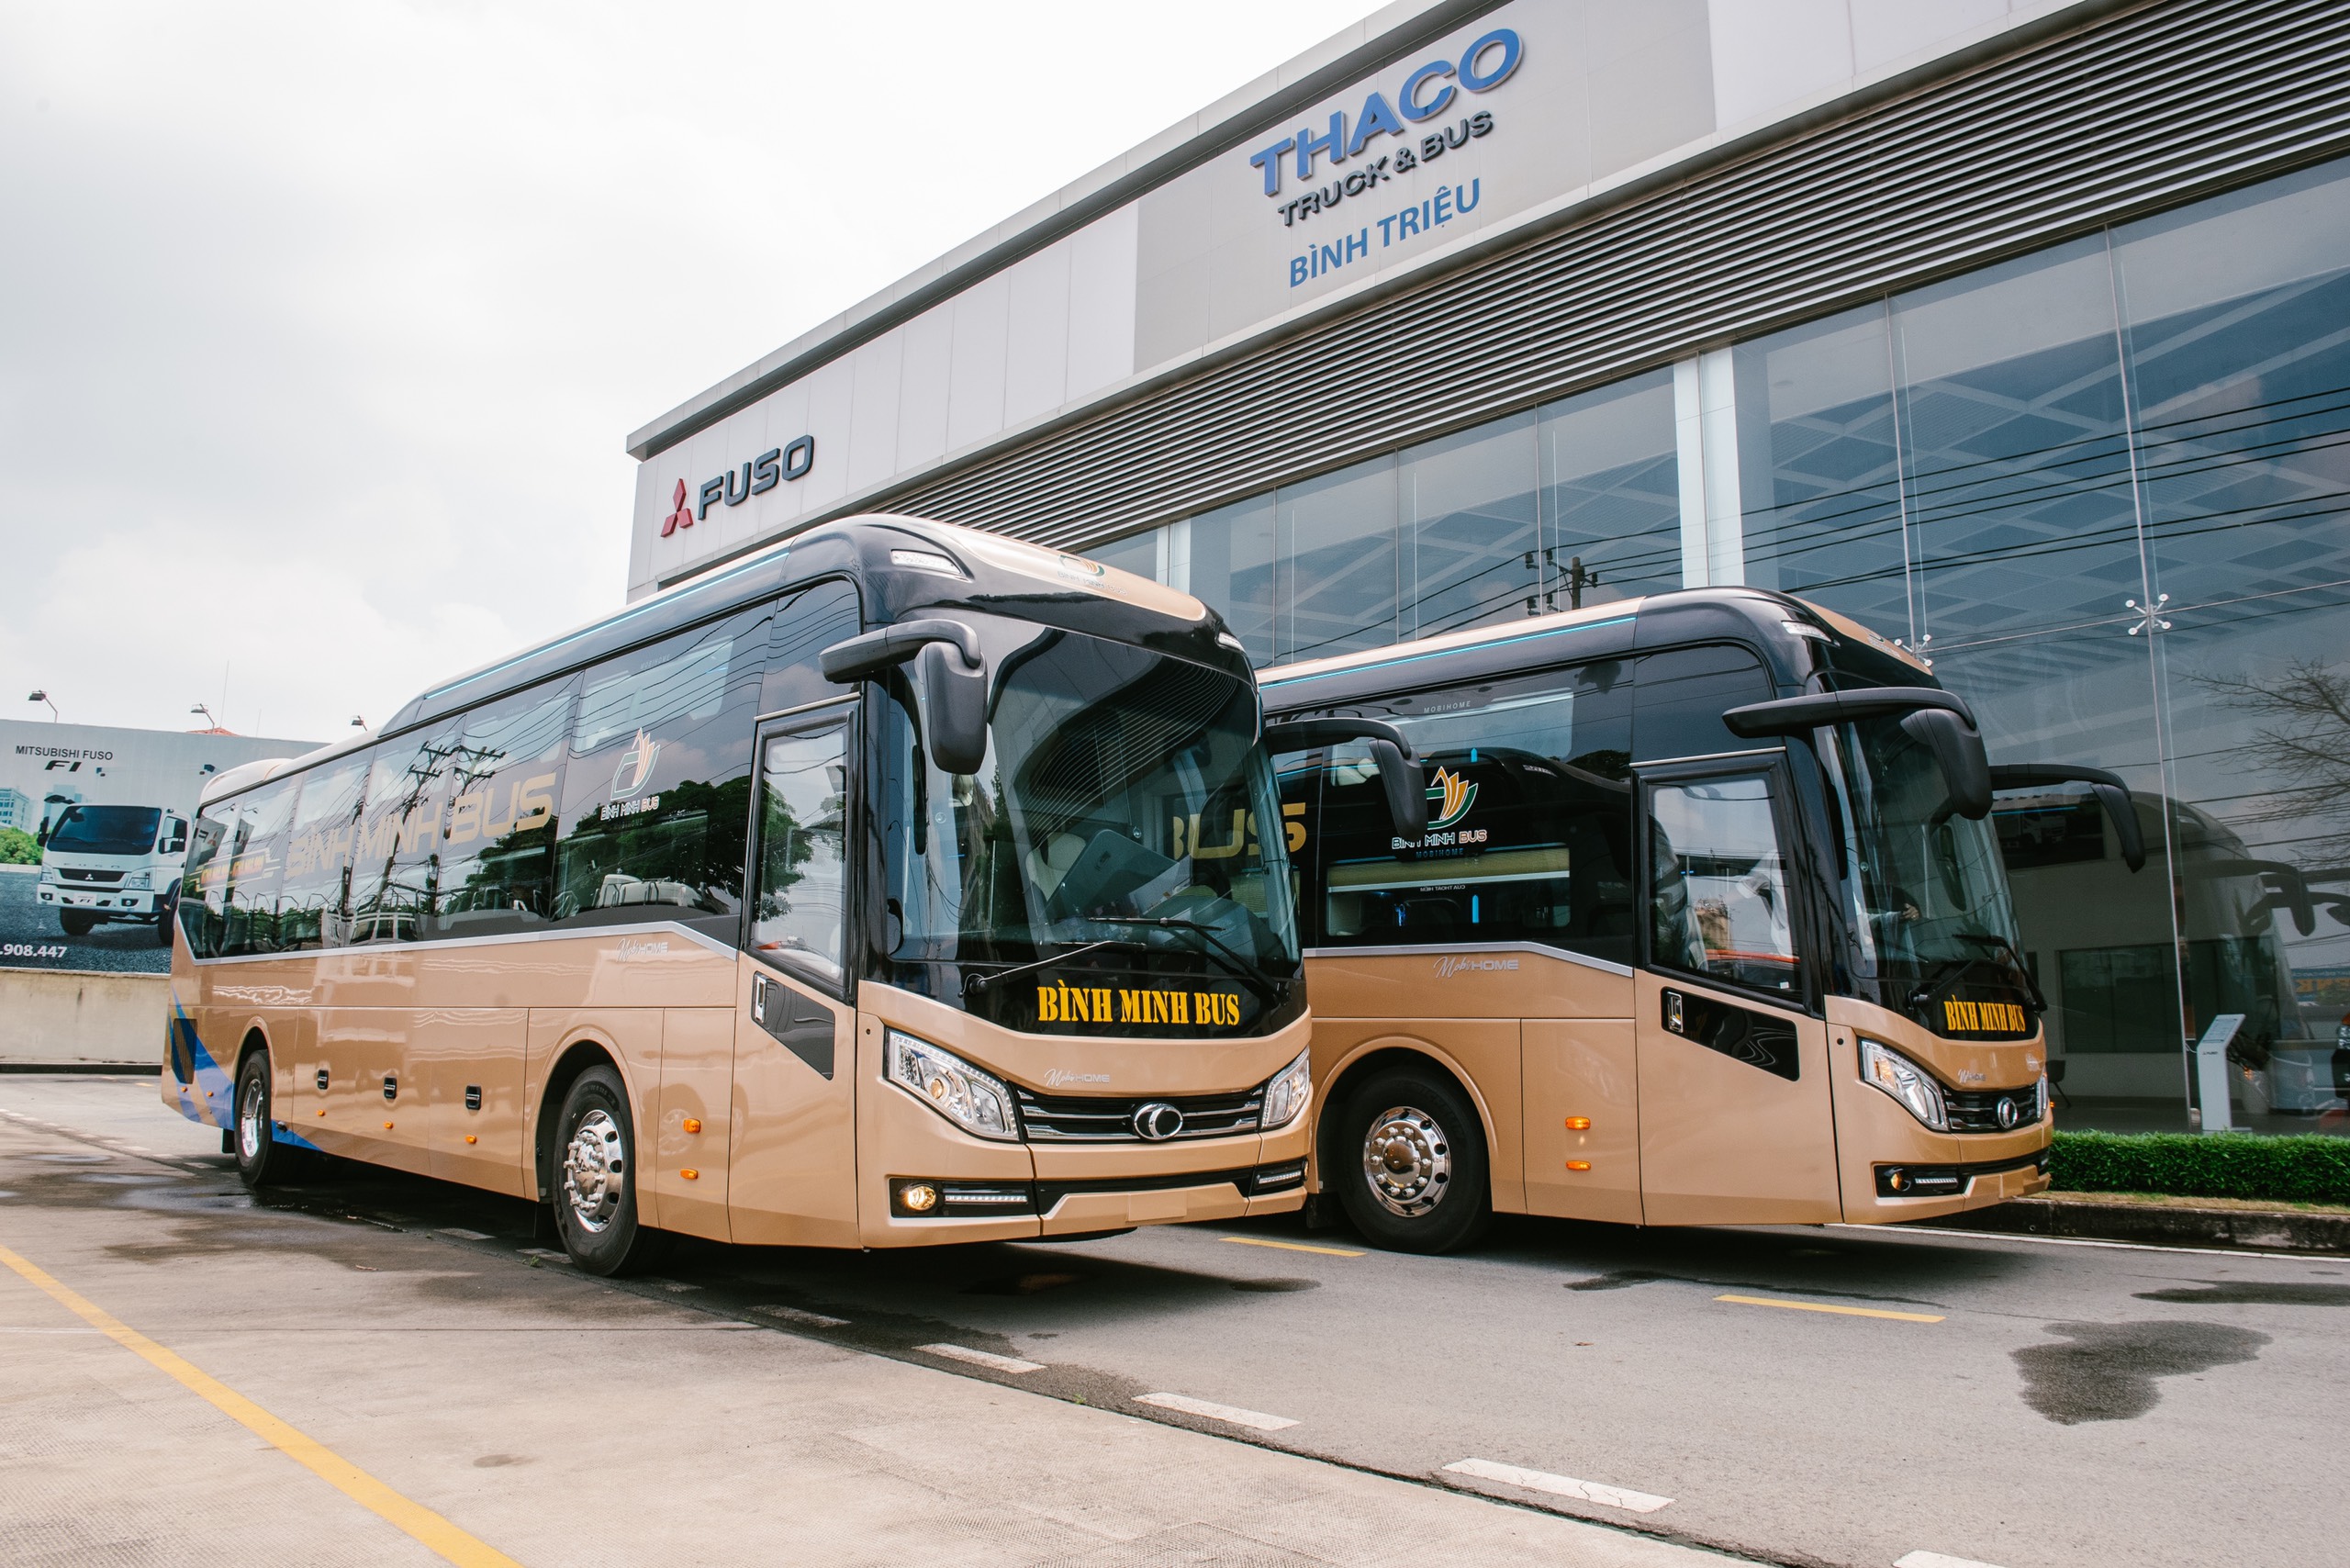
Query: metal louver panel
[[2138, 111]]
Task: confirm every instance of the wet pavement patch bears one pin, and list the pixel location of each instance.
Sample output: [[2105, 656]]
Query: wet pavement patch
[[1619, 1279], [2251, 1292], [2109, 1372]]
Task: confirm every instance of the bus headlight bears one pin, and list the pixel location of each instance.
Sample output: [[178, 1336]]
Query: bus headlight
[[952, 1087], [1287, 1096], [1885, 1068]]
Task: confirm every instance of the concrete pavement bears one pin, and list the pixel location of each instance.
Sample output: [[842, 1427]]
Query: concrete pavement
[[554, 1419]]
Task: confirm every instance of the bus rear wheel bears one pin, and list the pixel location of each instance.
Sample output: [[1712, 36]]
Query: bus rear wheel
[[595, 1180], [1410, 1162], [262, 1160]]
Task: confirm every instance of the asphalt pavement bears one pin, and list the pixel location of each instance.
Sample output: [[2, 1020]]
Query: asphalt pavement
[[1835, 1395]]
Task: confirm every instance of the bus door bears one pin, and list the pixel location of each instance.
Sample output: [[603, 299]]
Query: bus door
[[1736, 1125], [792, 1177]]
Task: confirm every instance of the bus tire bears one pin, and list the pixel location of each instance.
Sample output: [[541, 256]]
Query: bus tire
[[75, 923], [262, 1160], [595, 1180], [167, 915], [1411, 1167]]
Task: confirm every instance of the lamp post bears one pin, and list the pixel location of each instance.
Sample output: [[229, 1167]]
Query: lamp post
[[208, 719], [43, 697]]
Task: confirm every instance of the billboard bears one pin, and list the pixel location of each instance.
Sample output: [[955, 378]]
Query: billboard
[[93, 827]]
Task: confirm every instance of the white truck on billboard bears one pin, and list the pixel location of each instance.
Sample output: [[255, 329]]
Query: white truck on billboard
[[100, 864]]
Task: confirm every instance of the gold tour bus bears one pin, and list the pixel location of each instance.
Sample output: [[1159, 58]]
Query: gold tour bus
[[1708, 925], [901, 884]]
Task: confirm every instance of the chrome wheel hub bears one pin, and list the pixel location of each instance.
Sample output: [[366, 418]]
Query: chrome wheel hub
[[249, 1112], [1407, 1161], [595, 1171]]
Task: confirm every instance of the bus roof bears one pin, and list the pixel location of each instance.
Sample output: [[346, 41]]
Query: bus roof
[[1779, 623]]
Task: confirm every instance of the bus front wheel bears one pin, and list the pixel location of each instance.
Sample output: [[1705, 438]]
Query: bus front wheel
[[595, 1180], [1411, 1167], [76, 923]]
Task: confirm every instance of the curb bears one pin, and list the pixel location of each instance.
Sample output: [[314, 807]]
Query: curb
[[2264, 1230]]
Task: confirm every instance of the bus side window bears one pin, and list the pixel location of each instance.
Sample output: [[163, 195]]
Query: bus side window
[[313, 902], [807, 623], [497, 835], [203, 890], [656, 797], [1297, 781], [799, 907], [1680, 695], [256, 853], [1719, 903], [1529, 822]]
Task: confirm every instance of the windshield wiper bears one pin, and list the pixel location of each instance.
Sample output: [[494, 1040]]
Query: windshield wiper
[[974, 983], [1253, 974], [2015, 962]]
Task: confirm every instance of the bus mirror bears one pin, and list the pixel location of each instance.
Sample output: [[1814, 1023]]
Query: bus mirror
[[1406, 787], [874, 652], [2110, 792], [955, 699], [1400, 775], [1957, 748]]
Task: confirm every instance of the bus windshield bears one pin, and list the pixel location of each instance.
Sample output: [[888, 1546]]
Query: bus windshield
[[1925, 890], [1119, 834], [106, 829]]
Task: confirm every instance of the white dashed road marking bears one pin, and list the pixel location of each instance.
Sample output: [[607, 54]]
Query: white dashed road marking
[[987, 1359], [1230, 1415], [1560, 1486], [1938, 1559]]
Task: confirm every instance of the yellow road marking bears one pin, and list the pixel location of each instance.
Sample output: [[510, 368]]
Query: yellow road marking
[[1822, 1306], [1292, 1246], [331, 1467]]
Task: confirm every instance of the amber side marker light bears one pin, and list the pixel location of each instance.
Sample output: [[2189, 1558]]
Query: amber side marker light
[[691, 1174], [321, 1113], [470, 1139], [1578, 1164], [693, 1124], [387, 1126], [1578, 1124]]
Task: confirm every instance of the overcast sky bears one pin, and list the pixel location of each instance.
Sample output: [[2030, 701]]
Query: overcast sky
[[322, 325]]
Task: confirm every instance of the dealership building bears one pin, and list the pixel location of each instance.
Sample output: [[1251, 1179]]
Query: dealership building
[[2019, 332]]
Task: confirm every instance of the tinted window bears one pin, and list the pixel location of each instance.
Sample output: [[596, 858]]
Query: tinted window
[[314, 901], [656, 801], [395, 853], [1683, 692], [106, 829], [252, 862], [805, 626], [1720, 897], [801, 918], [1530, 821], [497, 831], [204, 887]]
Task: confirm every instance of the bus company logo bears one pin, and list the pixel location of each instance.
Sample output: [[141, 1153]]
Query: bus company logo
[[1452, 796], [1061, 1076], [680, 514], [635, 767], [633, 950], [777, 465], [1983, 1017], [1453, 964], [1062, 1003], [1157, 1122]]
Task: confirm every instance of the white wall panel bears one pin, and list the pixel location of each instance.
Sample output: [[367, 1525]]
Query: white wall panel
[[975, 395], [873, 410], [922, 386], [1035, 357]]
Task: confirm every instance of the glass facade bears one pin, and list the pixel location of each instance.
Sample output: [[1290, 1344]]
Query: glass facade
[[2004, 470]]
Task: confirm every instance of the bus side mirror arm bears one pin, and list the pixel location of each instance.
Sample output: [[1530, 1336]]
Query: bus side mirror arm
[[1940, 720], [1400, 774], [954, 686], [2111, 791]]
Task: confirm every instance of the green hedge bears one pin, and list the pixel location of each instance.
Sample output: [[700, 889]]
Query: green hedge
[[2307, 1169]]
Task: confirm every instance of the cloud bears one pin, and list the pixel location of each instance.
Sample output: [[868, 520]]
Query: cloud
[[324, 324]]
